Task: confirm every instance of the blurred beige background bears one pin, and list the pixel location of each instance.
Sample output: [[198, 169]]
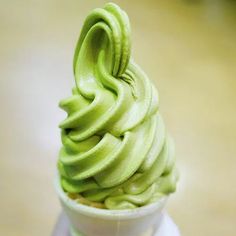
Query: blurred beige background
[[188, 48]]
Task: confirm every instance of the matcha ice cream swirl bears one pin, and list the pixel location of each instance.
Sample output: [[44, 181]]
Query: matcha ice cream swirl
[[115, 147]]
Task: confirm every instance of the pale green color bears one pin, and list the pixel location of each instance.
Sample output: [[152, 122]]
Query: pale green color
[[115, 147]]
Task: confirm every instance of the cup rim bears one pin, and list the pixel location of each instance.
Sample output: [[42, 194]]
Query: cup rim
[[107, 213]]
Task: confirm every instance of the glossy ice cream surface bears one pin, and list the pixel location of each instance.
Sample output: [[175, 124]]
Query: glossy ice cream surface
[[116, 151]]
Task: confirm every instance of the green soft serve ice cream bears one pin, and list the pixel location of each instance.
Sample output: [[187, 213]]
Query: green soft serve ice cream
[[116, 151]]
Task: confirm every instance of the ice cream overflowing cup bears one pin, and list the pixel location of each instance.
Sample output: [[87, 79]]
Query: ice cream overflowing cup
[[116, 152], [90, 221]]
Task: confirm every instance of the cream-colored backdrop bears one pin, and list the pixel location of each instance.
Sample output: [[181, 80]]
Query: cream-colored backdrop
[[188, 48]]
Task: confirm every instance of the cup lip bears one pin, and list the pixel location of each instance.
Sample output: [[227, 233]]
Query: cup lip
[[107, 213]]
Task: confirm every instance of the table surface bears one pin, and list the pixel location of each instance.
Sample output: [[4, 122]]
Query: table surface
[[186, 47]]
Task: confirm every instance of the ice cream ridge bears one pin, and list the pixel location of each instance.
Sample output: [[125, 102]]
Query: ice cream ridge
[[116, 153]]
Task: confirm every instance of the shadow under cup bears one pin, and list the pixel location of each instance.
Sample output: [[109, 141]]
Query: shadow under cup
[[90, 221]]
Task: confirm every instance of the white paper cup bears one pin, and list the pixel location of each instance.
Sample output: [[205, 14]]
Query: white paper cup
[[90, 221]]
